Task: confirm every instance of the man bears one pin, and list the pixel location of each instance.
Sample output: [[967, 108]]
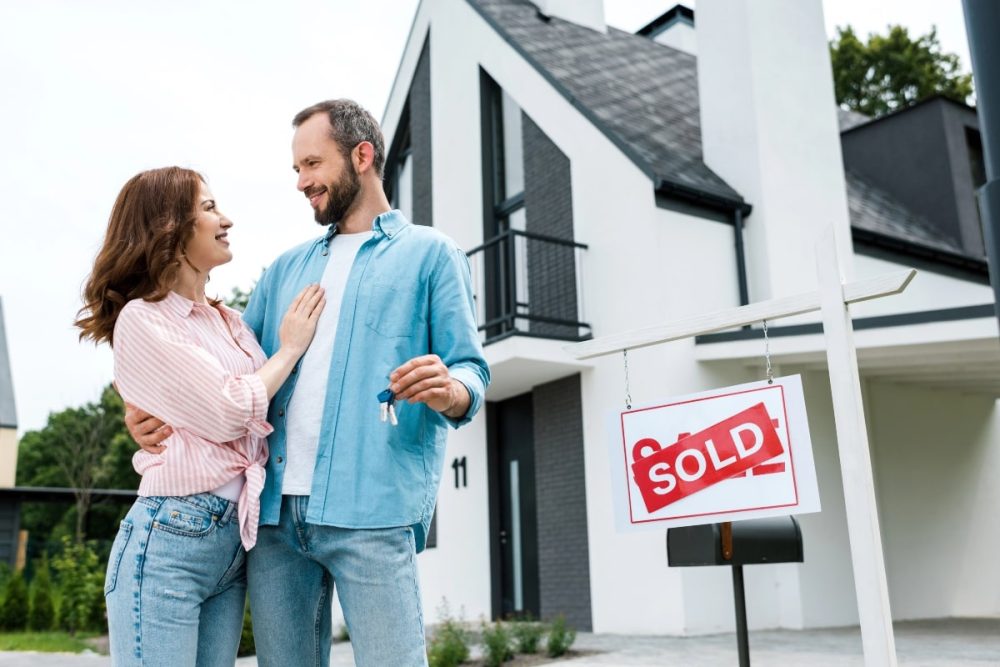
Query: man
[[353, 472]]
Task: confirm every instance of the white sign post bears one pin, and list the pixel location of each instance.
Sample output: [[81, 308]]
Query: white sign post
[[833, 299]]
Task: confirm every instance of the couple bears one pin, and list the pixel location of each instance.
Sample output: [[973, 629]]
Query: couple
[[299, 447]]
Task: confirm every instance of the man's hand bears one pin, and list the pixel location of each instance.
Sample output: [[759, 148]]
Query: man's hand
[[146, 430], [426, 380]]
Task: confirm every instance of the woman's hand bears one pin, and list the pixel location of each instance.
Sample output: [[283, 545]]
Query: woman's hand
[[299, 324]]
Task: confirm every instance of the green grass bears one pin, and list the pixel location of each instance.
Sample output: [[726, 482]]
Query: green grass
[[48, 642]]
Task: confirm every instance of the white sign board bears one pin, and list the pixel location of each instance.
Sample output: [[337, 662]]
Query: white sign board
[[729, 454]]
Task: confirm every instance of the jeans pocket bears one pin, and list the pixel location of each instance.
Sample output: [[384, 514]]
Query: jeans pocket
[[180, 518], [117, 551]]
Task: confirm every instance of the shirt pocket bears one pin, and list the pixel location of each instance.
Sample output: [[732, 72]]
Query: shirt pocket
[[392, 310]]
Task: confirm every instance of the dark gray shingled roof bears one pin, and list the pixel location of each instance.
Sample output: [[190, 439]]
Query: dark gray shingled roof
[[874, 210], [644, 96], [8, 415]]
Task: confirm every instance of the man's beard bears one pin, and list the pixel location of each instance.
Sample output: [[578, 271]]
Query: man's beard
[[340, 198]]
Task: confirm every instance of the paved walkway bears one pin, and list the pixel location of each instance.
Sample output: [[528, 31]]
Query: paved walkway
[[939, 643]]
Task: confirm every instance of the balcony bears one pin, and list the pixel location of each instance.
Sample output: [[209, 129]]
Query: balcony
[[529, 284], [529, 297]]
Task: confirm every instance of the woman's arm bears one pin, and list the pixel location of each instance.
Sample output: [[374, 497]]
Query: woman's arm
[[160, 371]]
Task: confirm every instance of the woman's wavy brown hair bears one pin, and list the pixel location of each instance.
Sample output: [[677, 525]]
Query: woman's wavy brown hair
[[151, 223]]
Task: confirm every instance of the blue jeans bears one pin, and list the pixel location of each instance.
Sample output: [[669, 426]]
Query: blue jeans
[[292, 572], [176, 583]]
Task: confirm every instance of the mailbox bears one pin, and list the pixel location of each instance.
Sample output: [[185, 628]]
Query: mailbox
[[751, 542]]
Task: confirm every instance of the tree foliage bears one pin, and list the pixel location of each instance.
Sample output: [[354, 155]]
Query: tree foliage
[[893, 70], [14, 607], [239, 298], [41, 614], [81, 584], [81, 448]]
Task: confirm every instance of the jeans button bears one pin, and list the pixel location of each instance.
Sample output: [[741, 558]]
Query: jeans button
[[278, 459]]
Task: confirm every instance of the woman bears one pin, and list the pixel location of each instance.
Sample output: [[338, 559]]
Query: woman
[[175, 584]]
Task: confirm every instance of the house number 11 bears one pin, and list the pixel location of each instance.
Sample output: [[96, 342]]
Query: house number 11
[[456, 465]]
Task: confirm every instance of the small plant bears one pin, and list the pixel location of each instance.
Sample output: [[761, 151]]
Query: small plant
[[342, 634], [14, 610], [527, 634], [41, 613], [496, 644], [449, 646], [561, 637], [81, 584]]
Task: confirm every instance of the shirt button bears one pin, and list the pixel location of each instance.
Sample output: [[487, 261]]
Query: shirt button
[[281, 412], [278, 459], [295, 369]]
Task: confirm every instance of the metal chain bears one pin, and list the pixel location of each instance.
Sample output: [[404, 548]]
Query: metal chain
[[628, 394], [767, 354]]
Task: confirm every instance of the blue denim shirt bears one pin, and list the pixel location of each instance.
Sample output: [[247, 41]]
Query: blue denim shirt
[[409, 293]]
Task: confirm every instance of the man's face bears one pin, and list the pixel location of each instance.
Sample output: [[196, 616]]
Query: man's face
[[326, 176]]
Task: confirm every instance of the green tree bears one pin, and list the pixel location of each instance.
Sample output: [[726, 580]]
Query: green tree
[[41, 614], [893, 70], [14, 609], [83, 449]]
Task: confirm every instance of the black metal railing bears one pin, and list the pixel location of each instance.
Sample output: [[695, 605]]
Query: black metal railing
[[529, 284]]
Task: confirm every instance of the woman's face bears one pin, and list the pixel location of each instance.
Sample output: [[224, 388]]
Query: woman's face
[[209, 245]]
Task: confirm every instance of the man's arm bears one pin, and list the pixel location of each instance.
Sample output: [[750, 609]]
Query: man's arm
[[147, 431], [452, 379]]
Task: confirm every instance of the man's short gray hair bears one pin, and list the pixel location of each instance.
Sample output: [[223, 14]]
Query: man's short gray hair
[[350, 124]]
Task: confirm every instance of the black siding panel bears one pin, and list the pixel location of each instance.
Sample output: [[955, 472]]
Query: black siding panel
[[563, 545]]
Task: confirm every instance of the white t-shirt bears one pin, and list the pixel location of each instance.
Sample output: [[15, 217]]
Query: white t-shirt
[[305, 409]]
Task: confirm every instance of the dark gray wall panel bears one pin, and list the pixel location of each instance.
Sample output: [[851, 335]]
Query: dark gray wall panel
[[548, 202], [563, 546], [420, 136]]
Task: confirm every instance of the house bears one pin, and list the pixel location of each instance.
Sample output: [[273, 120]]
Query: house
[[9, 515], [603, 181]]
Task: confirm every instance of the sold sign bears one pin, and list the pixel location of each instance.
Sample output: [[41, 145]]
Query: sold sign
[[726, 454], [728, 448]]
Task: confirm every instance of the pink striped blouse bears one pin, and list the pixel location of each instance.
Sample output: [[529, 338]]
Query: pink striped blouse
[[192, 365]]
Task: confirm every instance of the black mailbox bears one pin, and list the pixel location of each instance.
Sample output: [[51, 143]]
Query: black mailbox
[[751, 542]]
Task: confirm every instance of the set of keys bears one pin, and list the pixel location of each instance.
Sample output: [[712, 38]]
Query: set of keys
[[387, 409]]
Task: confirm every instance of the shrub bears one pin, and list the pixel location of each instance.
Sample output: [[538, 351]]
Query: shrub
[[496, 644], [14, 610], [81, 588], [343, 635], [449, 646], [527, 635], [41, 615], [561, 637]]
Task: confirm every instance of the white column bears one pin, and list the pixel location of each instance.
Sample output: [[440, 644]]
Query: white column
[[769, 128]]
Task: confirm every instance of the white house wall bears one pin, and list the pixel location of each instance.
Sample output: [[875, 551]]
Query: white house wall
[[928, 291], [936, 464]]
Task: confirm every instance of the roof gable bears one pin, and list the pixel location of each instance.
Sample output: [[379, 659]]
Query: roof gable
[[642, 95]]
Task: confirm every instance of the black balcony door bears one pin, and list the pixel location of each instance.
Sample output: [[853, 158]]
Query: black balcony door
[[514, 528]]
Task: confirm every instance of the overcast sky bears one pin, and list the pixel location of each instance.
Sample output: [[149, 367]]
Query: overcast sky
[[93, 92]]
